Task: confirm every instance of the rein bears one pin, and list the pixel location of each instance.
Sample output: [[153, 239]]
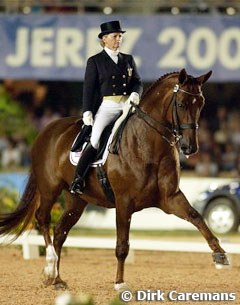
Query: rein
[[156, 125], [172, 135]]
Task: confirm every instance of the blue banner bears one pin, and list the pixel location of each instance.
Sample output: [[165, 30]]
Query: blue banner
[[56, 47]]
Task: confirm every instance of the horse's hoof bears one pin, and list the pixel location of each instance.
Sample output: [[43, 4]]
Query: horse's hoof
[[220, 259], [46, 280], [120, 286], [60, 285]]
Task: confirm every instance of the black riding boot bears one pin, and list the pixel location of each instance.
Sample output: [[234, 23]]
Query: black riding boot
[[83, 165]]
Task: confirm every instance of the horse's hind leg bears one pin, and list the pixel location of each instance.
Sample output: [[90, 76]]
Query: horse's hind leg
[[123, 220], [179, 206], [74, 209], [43, 216]]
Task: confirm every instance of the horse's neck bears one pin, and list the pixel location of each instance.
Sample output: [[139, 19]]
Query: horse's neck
[[148, 133], [155, 104]]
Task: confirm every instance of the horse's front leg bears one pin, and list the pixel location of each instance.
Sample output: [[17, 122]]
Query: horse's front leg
[[179, 206], [123, 220]]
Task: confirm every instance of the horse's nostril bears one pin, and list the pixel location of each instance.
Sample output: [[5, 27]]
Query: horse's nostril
[[184, 148], [188, 149]]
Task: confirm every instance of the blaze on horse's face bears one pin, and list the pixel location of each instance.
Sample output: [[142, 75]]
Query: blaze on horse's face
[[189, 103]]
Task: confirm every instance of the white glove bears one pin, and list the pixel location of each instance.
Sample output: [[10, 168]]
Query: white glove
[[88, 118], [134, 97]]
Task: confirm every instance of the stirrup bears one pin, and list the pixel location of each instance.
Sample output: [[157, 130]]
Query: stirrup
[[77, 186]]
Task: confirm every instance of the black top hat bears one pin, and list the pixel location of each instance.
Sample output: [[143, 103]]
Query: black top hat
[[110, 27]]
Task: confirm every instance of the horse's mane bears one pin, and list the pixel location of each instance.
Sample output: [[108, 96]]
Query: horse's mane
[[153, 85]]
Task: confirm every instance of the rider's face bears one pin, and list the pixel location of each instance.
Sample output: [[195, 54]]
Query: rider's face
[[113, 41]]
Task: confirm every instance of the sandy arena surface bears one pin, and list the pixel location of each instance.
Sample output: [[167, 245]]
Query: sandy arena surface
[[93, 272]]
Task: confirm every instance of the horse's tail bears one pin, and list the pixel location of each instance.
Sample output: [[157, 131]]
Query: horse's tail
[[17, 221]]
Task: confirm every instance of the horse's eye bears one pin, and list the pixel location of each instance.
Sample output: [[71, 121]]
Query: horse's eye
[[180, 105]]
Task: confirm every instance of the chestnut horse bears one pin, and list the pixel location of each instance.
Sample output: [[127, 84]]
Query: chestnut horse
[[145, 172]]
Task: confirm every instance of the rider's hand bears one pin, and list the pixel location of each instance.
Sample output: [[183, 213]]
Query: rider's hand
[[88, 118], [134, 97]]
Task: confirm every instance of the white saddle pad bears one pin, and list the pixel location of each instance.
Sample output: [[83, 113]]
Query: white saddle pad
[[75, 155]]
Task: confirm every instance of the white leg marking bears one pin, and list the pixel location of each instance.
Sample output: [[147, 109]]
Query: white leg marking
[[51, 259], [120, 286]]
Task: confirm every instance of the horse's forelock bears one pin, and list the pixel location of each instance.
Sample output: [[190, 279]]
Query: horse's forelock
[[192, 81]]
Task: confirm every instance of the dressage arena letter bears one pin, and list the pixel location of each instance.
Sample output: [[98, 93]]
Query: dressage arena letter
[[47, 47]]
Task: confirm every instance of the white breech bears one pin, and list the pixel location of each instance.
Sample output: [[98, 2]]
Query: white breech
[[121, 118], [105, 114]]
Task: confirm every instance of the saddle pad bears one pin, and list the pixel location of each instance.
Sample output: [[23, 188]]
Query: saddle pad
[[74, 156]]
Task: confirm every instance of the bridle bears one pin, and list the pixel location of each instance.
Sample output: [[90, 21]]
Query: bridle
[[177, 127], [172, 134]]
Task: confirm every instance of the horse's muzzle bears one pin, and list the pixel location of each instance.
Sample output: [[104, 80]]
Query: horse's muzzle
[[188, 149]]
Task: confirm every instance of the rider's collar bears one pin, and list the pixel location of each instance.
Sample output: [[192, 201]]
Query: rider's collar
[[110, 52]]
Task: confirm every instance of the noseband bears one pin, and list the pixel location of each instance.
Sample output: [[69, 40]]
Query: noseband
[[172, 134]]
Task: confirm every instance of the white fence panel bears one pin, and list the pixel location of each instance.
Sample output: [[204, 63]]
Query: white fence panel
[[30, 244]]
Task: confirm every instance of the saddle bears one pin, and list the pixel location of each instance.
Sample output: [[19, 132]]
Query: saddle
[[84, 137], [107, 139]]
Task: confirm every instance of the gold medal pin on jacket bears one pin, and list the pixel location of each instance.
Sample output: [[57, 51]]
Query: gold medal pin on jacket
[[130, 71]]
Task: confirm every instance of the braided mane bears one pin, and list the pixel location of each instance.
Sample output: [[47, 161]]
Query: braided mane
[[153, 85]]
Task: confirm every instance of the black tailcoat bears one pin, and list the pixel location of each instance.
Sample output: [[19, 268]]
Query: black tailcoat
[[103, 77]]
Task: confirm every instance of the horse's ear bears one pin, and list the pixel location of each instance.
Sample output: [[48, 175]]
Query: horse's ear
[[182, 77], [203, 78]]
